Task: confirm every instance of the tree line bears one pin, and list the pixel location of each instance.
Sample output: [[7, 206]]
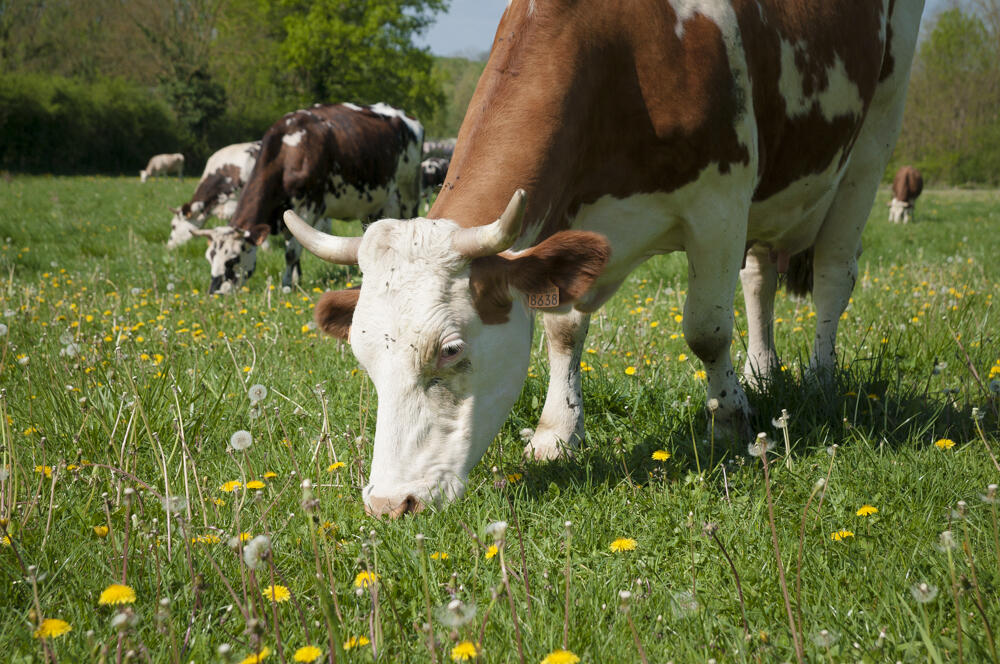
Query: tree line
[[98, 86]]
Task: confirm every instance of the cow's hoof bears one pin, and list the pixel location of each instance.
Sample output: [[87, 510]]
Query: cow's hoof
[[546, 445]]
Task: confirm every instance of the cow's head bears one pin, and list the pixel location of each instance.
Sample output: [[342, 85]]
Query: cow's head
[[186, 219], [900, 211], [442, 325], [231, 255]]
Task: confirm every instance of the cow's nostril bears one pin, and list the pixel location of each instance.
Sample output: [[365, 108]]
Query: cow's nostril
[[410, 505]]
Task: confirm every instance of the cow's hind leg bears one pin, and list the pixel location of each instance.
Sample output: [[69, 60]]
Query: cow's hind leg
[[561, 425], [760, 282], [713, 268]]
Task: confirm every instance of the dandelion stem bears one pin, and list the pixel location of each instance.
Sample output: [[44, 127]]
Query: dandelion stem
[[635, 637], [510, 601], [52, 502], [777, 555], [427, 598], [989, 449], [958, 607], [977, 596], [524, 563], [568, 574], [829, 472], [798, 564], [736, 576]]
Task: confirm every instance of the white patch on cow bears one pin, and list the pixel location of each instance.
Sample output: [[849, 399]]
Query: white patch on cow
[[353, 107], [720, 13], [240, 155], [840, 97], [180, 231], [899, 211], [416, 128], [293, 138]]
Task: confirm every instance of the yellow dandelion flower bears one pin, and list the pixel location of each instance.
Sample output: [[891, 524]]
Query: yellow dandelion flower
[[492, 551], [629, 371], [464, 651], [841, 535], [623, 544], [244, 537], [46, 470], [51, 628], [561, 657], [219, 502], [335, 466], [5, 540], [365, 579], [514, 477], [230, 486], [270, 475], [356, 642], [866, 510], [117, 593], [682, 357], [258, 657], [205, 539], [255, 484], [307, 654], [277, 593], [944, 443], [439, 555], [700, 375], [101, 531], [661, 455]]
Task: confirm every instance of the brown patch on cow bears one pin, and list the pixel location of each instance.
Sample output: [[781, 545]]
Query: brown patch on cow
[[360, 146], [335, 311], [213, 188], [907, 184], [791, 148], [611, 105], [798, 280], [570, 260]]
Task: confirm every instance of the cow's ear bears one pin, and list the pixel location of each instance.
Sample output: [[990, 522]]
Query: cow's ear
[[335, 311], [259, 233], [566, 264]]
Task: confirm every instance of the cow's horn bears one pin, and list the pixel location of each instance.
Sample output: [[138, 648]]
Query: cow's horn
[[332, 248], [496, 237]]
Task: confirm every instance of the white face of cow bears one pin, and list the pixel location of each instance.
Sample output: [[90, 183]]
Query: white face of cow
[[441, 325], [181, 229], [231, 255], [899, 211], [445, 380]]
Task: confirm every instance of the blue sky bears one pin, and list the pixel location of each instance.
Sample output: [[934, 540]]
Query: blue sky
[[469, 25]]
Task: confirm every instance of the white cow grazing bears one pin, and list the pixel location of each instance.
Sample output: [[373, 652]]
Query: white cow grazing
[[218, 191], [743, 133], [163, 164]]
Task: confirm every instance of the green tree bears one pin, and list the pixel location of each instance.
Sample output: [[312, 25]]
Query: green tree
[[361, 50]]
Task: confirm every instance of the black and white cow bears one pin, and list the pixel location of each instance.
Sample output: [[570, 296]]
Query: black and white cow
[[227, 170], [339, 161], [433, 173]]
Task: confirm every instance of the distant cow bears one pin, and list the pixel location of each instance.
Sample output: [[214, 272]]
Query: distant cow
[[442, 148], [339, 161], [433, 173], [226, 172], [163, 164], [906, 187]]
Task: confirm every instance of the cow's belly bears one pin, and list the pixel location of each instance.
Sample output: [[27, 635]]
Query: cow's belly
[[345, 201], [789, 221]]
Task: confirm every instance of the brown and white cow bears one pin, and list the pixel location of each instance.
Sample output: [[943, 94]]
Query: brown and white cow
[[226, 171], [906, 187], [750, 134], [339, 161], [163, 164]]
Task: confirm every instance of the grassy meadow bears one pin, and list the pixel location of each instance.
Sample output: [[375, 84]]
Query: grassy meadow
[[123, 384]]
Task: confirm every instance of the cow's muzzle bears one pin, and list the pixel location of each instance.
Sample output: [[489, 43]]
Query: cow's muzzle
[[379, 507]]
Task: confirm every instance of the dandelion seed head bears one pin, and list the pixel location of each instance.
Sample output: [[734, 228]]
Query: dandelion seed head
[[173, 504], [257, 393], [713, 405], [760, 446], [946, 542], [257, 550], [241, 440], [497, 530], [923, 592], [824, 638], [3, 330]]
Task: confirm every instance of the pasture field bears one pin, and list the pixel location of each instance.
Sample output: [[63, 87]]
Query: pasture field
[[123, 383]]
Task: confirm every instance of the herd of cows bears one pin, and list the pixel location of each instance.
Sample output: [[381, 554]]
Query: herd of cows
[[750, 135]]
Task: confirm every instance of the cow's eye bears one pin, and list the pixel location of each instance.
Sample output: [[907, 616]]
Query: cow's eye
[[451, 350]]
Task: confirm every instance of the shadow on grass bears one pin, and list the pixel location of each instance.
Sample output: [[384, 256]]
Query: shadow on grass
[[867, 400]]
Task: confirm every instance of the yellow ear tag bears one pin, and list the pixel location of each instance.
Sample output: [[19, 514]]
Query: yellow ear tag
[[547, 299]]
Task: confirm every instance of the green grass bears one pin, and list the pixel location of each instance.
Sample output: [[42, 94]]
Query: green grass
[[82, 261]]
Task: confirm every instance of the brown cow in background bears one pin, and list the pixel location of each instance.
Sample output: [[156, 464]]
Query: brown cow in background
[[906, 187]]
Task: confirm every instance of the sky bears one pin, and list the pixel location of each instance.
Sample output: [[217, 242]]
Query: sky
[[468, 27]]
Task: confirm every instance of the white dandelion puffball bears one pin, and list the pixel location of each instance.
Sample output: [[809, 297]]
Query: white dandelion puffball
[[497, 529], [241, 440], [257, 393], [3, 330], [256, 550]]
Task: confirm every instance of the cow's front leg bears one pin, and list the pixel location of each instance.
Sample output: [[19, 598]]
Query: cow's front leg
[[293, 254], [760, 281], [835, 271], [561, 425], [708, 330]]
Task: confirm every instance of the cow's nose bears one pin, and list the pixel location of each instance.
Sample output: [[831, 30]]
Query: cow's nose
[[379, 507]]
